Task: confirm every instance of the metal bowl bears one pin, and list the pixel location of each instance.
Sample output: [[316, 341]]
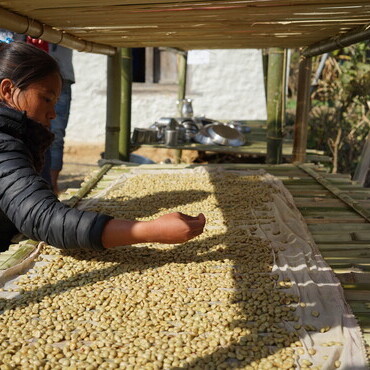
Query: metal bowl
[[160, 129], [240, 126], [225, 135], [202, 137], [203, 121], [191, 129]]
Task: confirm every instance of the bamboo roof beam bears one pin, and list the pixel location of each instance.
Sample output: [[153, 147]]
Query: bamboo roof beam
[[333, 43], [24, 25], [193, 24]]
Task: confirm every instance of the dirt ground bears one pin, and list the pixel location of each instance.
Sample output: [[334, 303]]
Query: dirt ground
[[81, 159]]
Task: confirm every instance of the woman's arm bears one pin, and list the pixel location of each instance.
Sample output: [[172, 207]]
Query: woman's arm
[[170, 229], [32, 207]]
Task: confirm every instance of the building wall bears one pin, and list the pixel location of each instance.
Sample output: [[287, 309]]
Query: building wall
[[224, 84]]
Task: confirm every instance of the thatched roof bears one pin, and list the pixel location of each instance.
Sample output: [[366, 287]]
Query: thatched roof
[[196, 24]]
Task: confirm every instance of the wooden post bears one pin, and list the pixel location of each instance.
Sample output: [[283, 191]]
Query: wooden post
[[265, 61], [112, 127], [303, 108], [284, 92], [275, 92], [125, 116], [182, 69], [363, 167]]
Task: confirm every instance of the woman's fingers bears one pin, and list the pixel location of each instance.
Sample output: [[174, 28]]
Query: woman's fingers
[[197, 219], [186, 217], [197, 225], [177, 227], [202, 219]]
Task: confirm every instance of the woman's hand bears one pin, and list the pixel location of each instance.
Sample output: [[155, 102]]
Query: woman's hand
[[175, 228], [169, 229]]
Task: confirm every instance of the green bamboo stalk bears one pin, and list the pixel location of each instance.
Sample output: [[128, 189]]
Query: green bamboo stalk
[[364, 320], [360, 307], [182, 71], [112, 127], [284, 89], [182, 59], [355, 205], [356, 286], [275, 91], [86, 188], [265, 59], [125, 115], [359, 245], [26, 248]]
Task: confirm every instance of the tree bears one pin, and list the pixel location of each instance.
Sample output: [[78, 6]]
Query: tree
[[340, 115]]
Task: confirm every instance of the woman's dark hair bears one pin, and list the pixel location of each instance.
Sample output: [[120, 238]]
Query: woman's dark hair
[[24, 64]]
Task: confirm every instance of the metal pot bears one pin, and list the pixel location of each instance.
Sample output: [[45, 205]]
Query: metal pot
[[144, 136], [181, 134], [160, 129], [171, 137], [138, 136]]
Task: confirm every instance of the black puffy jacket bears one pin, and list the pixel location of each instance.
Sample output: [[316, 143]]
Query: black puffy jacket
[[27, 203]]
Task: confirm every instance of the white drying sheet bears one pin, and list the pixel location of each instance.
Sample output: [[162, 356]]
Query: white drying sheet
[[297, 259], [317, 286]]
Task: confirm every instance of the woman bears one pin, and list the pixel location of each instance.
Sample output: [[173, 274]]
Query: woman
[[30, 84]]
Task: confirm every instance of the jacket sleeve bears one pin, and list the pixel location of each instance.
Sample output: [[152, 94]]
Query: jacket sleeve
[[29, 203]]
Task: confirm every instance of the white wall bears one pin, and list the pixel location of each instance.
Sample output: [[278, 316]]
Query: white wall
[[87, 117], [228, 85]]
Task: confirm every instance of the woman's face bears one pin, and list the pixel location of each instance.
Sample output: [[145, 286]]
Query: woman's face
[[39, 99]]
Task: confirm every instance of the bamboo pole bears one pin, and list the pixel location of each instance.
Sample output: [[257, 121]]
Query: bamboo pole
[[125, 114], [303, 108], [265, 61], [112, 128], [24, 25], [25, 249], [182, 70], [87, 187], [355, 205], [359, 34], [284, 89], [275, 92]]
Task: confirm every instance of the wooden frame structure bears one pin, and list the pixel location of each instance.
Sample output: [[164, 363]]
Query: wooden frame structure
[[336, 211], [113, 26], [89, 25]]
